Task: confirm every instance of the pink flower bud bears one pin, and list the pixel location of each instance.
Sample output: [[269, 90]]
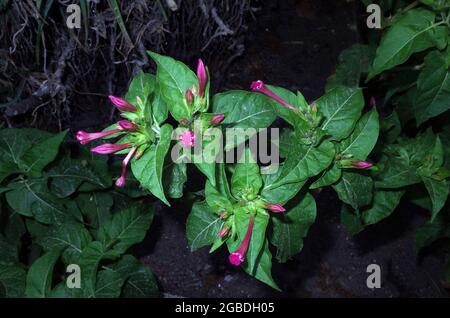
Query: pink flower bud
[[187, 138], [122, 104], [217, 119], [276, 208], [258, 86], [189, 96], [202, 77], [85, 137], [121, 181], [361, 164], [127, 125], [224, 231], [108, 148], [237, 257]]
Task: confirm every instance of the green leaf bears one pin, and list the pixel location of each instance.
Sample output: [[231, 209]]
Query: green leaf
[[32, 198], [174, 178], [202, 226], [174, 79], [126, 228], [341, 108], [40, 155], [39, 277], [352, 63], [438, 191], [96, 207], [159, 107], [290, 228], [149, 168], [431, 231], [437, 4], [396, 173], [263, 268], [413, 32], [355, 189], [305, 161], [109, 284], [363, 138], [351, 220], [433, 88], [280, 194], [69, 174], [384, 203], [139, 280], [12, 281], [329, 177], [9, 252], [246, 178], [244, 109], [142, 86]]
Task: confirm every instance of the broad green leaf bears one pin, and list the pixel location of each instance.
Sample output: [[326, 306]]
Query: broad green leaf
[[8, 251], [341, 108], [363, 138], [355, 189], [280, 194], [69, 174], [351, 220], [352, 63], [431, 231], [12, 281], [263, 268], [246, 178], [39, 277], [174, 178], [328, 177], [142, 86], [174, 79], [438, 191], [437, 4], [290, 228], [96, 207], [70, 237], [159, 107], [40, 155], [126, 228], [305, 161], [13, 228], [413, 32], [384, 203], [109, 284], [216, 200], [32, 198], [202, 226], [149, 168], [139, 280], [433, 88], [244, 109], [396, 173]]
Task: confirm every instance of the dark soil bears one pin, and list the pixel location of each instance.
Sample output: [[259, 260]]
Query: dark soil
[[295, 45]]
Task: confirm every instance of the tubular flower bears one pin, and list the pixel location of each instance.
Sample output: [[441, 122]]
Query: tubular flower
[[85, 137], [361, 164], [122, 104], [276, 208], [217, 119], [121, 181], [108, 148], [258, 86], [187, 138], [202, 77], [127, 125], [237, 257]]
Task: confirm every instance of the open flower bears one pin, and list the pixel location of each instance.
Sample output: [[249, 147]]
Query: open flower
[[217, 119], [187, 138], [276, 208], [237, 257], [108, 148], [361, 164], [121, 181], [85, 137], [202, 77], [122, 104], [258, 86]]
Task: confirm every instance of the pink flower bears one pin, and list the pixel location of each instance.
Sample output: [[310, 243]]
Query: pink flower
[[237, 257], [224, 231], [189, 96], [122, 104], [361, 164], [217, 119], [108, 148], [84, 137], [276, 208], [187, 138], [258, 86], [121, 181], [202, 77], [127, 125]]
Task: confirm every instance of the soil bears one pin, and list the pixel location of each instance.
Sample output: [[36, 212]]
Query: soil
[[298, 49]]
